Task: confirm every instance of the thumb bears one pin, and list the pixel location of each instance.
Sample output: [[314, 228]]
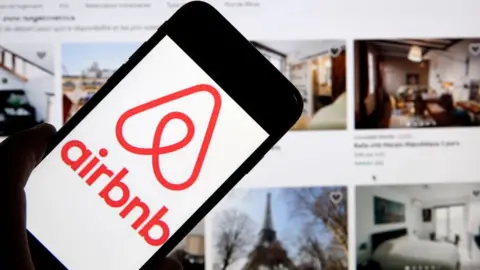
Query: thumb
[[21, 152]]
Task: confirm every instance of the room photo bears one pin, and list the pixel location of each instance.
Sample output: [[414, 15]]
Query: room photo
[[417, 83], [190, 252], [400, 227], [85, 69], [318, 69], [281, 228], [27, 87]]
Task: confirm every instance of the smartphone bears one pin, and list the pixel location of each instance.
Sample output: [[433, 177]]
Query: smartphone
[[158, 146]]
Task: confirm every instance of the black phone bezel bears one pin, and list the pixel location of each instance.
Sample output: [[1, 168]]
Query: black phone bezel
[[227, 57]]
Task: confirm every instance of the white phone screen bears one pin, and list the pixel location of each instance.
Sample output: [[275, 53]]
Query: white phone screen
[[139, 165]]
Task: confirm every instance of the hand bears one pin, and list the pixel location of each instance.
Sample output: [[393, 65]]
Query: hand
[[19, 154]]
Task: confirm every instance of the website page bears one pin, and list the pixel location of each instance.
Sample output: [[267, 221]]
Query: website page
[[146, 166], [378, 173]]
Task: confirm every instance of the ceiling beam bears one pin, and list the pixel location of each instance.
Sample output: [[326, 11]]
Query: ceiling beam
[[395, 54], [268, 49], [391, 44], [438, 41], [410, 42], [426, 44]]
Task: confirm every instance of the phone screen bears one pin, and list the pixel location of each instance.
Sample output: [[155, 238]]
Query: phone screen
[[139, 165]]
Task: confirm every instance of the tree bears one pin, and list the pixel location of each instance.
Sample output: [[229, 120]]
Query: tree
[[310, 250], [327, 205], [233, 234], [316, 253]]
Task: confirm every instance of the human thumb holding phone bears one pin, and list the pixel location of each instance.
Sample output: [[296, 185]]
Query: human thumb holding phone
[[19, 154]]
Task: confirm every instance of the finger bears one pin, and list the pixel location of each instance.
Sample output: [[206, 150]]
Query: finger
[[14, 250], [157, 262], [21, 152], [170, 264]]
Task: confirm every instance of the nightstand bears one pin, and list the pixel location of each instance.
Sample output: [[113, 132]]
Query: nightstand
[[363, 257], [367, 265]]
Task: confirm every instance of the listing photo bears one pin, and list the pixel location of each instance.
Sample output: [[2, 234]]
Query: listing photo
[[318, 69], [417, 83], [85, 69], [190, 252], [281, 228], [402, 227], [27, 87]]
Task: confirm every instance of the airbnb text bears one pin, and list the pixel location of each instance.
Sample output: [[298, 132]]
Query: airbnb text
[[89, 167]]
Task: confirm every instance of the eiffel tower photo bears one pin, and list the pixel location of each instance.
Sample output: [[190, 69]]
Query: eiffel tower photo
[[268, 253], [282, 229]]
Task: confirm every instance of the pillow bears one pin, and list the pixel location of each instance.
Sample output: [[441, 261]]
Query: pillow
[[383, 250], [333, 116]]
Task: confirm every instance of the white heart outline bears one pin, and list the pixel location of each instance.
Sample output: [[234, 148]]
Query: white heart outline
[[336, 197], [339, 50], [471, 48], [41, 55]]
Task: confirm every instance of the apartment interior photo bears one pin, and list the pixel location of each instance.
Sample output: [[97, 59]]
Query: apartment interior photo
[[26, 87], [85, 69], [417, 225], [190, 252], [415, 83], [318, 69]]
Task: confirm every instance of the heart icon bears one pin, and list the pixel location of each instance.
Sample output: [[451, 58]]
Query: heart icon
[[474, 48], [41, 55], [476, 193], [336, 197], [334, 51]]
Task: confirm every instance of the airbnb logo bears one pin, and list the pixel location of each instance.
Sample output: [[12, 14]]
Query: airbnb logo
[[90, 167], [157, 149]]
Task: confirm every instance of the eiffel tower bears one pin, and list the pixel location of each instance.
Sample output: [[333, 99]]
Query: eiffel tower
[[268, 253]]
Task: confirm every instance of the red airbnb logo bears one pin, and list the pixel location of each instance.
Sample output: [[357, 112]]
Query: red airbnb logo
[[157, 149], [90, 166]]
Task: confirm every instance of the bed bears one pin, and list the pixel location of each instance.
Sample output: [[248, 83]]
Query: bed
[[395, 249], [331, 117], [16, 112]]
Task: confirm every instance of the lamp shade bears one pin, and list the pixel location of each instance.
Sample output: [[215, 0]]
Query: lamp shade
[[415, 54]]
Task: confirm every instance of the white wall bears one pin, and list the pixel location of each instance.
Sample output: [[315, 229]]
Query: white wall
[[298, 50], [12, 81], [39, 83], [365, 216], [451, 66], [395, 72]]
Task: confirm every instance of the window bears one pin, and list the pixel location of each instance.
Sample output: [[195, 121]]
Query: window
[[19, 66], [441, 223], [371, 73], [275, 59], [276, 62], [450, 222], [456, 222], [7, 60]]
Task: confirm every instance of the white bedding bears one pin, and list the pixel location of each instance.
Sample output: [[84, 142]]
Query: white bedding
[[410, 251], [333, 116]]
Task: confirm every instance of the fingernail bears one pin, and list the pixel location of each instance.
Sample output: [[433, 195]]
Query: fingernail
[[43, 126]]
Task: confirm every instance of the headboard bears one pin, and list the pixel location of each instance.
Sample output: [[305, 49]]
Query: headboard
[[378, 238]]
